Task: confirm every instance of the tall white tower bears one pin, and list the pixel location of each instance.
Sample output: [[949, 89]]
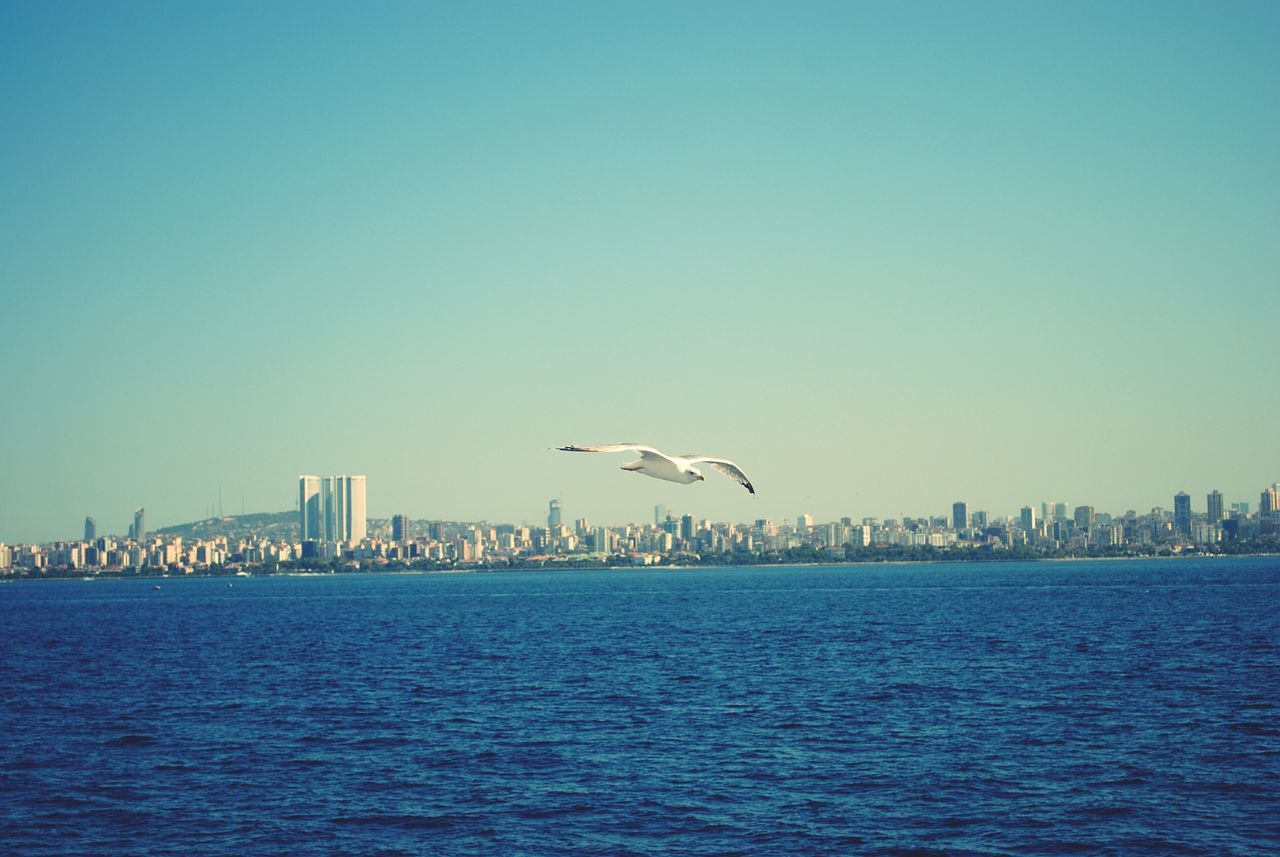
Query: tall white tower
[[345, 512], [357, 521], [310, 517]]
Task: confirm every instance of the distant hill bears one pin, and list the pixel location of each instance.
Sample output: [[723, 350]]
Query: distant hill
[[273, 526], [269, 525]]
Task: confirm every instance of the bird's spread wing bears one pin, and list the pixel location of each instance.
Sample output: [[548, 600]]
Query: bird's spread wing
[[645, 451], [728, 468]]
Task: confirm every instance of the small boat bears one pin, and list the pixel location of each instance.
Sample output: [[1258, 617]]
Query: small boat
[[156, 587]]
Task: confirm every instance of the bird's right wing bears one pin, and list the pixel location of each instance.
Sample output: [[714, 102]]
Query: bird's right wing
[[727, 467]]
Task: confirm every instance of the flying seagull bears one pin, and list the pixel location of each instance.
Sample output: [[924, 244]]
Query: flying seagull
[[673, 468]]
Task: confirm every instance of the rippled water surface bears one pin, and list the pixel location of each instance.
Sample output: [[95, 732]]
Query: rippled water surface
[[1095, 708]]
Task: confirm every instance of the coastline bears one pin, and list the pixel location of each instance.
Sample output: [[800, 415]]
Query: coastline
[[248, 574]]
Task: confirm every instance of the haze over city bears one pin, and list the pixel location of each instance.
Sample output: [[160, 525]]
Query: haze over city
[[883, 257]]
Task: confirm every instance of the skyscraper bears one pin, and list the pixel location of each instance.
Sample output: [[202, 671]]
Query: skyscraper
[[688, 524], [140, 524], [1182, 512], [90, 529], [553, 513], [1269, 501], [399, 528], [310, 511], [1214, 506], [357, 514], [1060, 511], [1028, 519], [1084, 518], [959, 515], [333, 501], [342, 503]]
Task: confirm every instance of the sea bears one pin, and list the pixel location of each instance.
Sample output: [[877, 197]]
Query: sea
[[1093, 707]]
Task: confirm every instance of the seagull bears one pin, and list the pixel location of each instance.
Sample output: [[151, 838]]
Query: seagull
[[673, 468]]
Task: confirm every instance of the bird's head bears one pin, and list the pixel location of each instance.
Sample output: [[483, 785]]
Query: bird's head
[[697, 474]]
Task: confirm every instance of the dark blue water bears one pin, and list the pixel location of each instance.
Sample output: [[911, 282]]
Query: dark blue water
[[1092, 708]]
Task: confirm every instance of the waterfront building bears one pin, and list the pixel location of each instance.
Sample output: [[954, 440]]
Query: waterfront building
[[959, 515], [553, 514], [600, 540], [342, 501], [399, 528], [357, 511], [90, 529], [1182, 513], [688, 523], [1269, 510], [310, 512], [1214, 506], [1269, 501], [140, 524], [1028, 519], [333, 504], [1084, 518]]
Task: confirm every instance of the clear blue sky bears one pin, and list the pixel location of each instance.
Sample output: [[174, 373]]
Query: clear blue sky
[[884, 255]]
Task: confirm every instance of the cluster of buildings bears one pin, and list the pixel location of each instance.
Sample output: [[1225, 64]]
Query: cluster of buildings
[[331, 512], [332, 525]]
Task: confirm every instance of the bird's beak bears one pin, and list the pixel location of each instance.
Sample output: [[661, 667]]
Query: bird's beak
[[702, 479]]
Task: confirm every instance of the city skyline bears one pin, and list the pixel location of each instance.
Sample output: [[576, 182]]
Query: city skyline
[[909, 253], [272, 546], [345, 497]]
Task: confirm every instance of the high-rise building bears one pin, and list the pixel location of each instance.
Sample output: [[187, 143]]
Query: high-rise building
[[358, 516], [1182, 513], [342, 501], [600, 540], [959, 515], [1083, 518], [1028, 519], [1060, 511], [1214, 506], [333, 502], [90, 529], [310, 509], [140, 524], [688, 524], [399, 528], [978, 519], [553, 513], [1269, 501], [659, 515], [803, 522]]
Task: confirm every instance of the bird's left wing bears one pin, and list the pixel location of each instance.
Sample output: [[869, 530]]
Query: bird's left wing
[[728, 468], [610, 447]]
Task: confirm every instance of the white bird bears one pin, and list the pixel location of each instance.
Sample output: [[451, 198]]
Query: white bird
[[673, 468]]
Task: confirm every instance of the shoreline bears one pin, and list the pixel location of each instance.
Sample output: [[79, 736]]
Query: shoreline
[[232, 577]]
